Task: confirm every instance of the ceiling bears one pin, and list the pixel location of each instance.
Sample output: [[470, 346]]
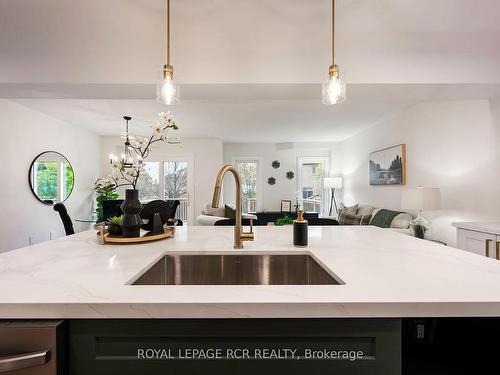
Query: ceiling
[[250, 70], [258, 41]]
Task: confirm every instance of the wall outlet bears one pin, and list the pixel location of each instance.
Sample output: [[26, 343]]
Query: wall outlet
[[55, 234], [41, 237]]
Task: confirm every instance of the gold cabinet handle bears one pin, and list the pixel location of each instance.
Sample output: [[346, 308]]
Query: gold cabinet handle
[[487, 248]]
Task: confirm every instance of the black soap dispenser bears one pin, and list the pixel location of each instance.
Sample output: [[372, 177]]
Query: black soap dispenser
[[300, 230]]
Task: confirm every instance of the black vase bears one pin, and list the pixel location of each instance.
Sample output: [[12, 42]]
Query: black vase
[[131, 220]]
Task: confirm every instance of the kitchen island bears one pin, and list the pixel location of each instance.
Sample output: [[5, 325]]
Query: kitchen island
[[386, 308], [384, 274]]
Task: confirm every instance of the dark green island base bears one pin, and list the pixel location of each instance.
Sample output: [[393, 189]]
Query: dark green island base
[[288, 346]]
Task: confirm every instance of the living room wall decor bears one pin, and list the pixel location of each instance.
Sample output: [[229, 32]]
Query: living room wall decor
[[388, 166], [276, 164], [290, 175], [271, 180]]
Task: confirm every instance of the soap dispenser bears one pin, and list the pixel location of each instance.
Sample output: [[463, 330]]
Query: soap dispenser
[[300, 230]]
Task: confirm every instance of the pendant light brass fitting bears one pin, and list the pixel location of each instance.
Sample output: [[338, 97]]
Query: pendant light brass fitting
[[168, 71], [333, 71]]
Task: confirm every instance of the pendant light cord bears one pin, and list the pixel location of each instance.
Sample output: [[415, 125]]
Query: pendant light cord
[[333, 32], [167, 23]]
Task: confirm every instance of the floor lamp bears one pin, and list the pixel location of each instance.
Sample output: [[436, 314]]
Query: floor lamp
[[333, 183]]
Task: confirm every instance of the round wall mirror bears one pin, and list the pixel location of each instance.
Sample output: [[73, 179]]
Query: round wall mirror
[[51, 177]]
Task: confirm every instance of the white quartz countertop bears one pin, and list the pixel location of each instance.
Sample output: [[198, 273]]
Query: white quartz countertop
[[386, 274], [485, 227]]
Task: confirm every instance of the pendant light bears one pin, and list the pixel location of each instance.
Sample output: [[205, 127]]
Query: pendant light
[[167, 92], [334, 88]]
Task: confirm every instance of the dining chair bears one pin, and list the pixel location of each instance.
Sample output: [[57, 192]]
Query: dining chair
[[63, 213], [111, 207], [166, 209]]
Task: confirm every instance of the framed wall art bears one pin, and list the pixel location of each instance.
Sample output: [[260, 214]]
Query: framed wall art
[[388, 166]]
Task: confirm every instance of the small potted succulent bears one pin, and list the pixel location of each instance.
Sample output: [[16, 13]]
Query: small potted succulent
[[114, 226]]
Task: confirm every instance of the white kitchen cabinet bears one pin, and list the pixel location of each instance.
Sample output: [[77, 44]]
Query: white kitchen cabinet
[[479, 238]]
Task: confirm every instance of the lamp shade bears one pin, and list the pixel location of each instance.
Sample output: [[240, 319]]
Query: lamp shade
[[332, 182], [421, 198]]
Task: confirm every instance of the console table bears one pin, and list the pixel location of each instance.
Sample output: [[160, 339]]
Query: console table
[[271, 216]]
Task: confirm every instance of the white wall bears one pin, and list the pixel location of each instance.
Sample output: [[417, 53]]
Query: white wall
[[26, 133], [451, 145], [287, 154], [207, 154]]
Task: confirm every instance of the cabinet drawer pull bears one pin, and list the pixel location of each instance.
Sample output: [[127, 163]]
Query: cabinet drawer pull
[[24, 360], [487, 248]]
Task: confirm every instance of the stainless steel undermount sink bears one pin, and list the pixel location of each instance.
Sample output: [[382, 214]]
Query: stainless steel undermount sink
[[237, 269]]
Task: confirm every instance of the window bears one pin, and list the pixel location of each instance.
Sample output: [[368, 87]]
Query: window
[[175, 181], [169, 179], [148, 183], [311, 173], [175, 173], [307, 192], [249, 175]]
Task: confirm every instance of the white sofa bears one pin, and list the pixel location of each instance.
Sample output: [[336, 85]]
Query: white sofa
[[400, 223], [210, 215]]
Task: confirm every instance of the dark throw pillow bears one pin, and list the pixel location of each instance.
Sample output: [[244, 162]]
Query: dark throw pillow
[[346, 219], [229, 212]]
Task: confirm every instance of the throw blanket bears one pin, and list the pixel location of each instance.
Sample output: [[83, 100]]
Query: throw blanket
[[383, 218]]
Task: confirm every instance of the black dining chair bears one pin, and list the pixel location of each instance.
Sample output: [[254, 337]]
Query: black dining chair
[[166, 209], [63, 213], [111, 207]]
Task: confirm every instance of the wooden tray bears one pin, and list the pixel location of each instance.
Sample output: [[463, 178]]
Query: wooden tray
[[105, 237]]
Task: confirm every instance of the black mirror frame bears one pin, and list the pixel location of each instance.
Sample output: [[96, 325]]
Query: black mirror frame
[[50, 203]]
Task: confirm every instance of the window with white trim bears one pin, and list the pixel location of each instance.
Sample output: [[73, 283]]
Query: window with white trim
[[249, 175], [311, 172]]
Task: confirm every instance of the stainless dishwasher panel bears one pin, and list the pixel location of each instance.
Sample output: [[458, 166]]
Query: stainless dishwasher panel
[[32, 347]]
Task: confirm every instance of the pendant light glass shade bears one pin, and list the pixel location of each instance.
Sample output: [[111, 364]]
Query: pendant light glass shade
[[167, 91], [334, 88]]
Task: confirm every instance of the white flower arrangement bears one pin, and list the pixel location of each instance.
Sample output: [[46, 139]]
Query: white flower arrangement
[[104, 183], [138, 142], [127, 172]]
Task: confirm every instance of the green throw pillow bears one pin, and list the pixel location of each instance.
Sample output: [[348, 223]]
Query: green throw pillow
[[383, 218]]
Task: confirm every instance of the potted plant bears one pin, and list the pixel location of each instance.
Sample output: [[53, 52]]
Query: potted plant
[[114, 226], [286, 220], [419, 226]]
